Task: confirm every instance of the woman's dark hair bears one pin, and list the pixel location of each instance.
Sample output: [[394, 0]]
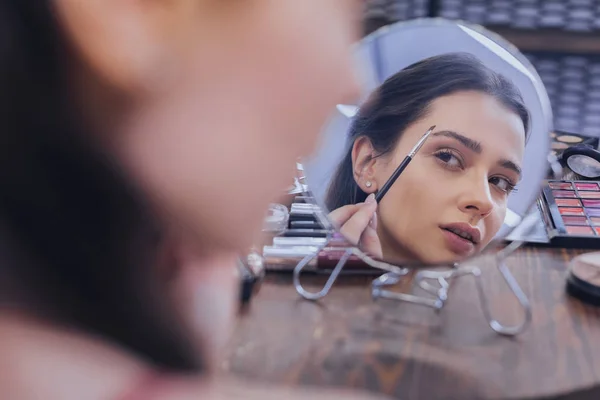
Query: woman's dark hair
[[404, 99], [78, 244]]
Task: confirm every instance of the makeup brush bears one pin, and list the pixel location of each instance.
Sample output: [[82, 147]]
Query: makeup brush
[[403, 165]]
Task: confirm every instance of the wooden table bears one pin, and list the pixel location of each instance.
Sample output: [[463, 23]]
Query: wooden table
[[410, 352]]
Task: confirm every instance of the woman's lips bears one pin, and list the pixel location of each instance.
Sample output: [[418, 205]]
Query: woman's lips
[[457, 244]]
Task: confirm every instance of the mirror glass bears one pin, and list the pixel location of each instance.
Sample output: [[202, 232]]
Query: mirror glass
[[476, 174]]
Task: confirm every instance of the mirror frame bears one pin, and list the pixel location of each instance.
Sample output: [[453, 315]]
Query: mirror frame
[[547, 113]]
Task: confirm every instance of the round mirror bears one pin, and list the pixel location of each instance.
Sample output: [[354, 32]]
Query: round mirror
[[446, 151]]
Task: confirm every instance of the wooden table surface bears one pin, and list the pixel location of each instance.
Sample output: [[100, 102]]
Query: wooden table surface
[[412, 352]]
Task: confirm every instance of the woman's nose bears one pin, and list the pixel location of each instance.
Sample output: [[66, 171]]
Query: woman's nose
[[477, 199]]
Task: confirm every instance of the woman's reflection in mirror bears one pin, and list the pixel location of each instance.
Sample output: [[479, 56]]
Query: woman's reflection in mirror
[[451, 201]]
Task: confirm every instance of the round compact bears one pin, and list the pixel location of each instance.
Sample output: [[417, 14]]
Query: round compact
[[583, 282], [583, 160], [569, 139]]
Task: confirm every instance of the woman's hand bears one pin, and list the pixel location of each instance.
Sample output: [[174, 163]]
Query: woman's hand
[[358, 224]]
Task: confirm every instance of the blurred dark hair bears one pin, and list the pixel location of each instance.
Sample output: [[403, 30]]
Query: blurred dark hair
[[78, 245], [404, 98]]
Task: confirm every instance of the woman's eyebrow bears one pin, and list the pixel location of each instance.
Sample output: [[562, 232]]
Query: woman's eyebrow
[[510, 165], [465, 141], [476, 148]]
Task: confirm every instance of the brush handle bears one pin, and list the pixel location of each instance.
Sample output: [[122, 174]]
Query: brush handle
[[392, 179]]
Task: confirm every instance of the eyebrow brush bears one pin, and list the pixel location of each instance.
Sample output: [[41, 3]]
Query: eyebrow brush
[[403, 165]]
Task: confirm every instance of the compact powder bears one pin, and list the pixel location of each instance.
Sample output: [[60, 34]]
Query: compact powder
[[569, 139], [559, 146], [583, 282]]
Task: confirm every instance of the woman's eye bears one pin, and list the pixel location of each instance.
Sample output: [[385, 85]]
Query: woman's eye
[[450, 160], [503, 184]]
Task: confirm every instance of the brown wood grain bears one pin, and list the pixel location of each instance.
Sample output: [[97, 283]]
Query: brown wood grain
[[412, 352]]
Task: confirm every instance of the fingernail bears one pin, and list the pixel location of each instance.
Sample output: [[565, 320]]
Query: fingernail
[[373, 221], [371, 198]]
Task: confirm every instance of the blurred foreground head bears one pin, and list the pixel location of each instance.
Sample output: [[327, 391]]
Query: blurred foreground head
[[120, 118]]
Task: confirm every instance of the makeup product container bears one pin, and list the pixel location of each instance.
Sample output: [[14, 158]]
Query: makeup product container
[[583, 282]]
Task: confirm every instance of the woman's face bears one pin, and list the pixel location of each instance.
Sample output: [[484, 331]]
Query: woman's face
[[223, 97], [458, 183]]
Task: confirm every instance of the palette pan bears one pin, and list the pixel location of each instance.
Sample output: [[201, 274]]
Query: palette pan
[[572, 211]]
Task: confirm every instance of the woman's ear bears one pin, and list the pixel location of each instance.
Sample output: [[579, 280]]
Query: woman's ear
[[364, 164]]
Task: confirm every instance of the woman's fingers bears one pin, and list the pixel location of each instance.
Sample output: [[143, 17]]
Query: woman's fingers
[[369, 242], [354, 227], [341, 215]]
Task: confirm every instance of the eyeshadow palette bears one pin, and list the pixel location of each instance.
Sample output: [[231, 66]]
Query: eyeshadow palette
[[571, 211]]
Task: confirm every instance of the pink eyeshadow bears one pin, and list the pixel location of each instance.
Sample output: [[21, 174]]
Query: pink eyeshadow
[[591, 203], [586, 186], [571, 211], [580, 230], [560, 185], [569, 202], [595, 220], [589, 195], [572, 220], [565, 193]]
